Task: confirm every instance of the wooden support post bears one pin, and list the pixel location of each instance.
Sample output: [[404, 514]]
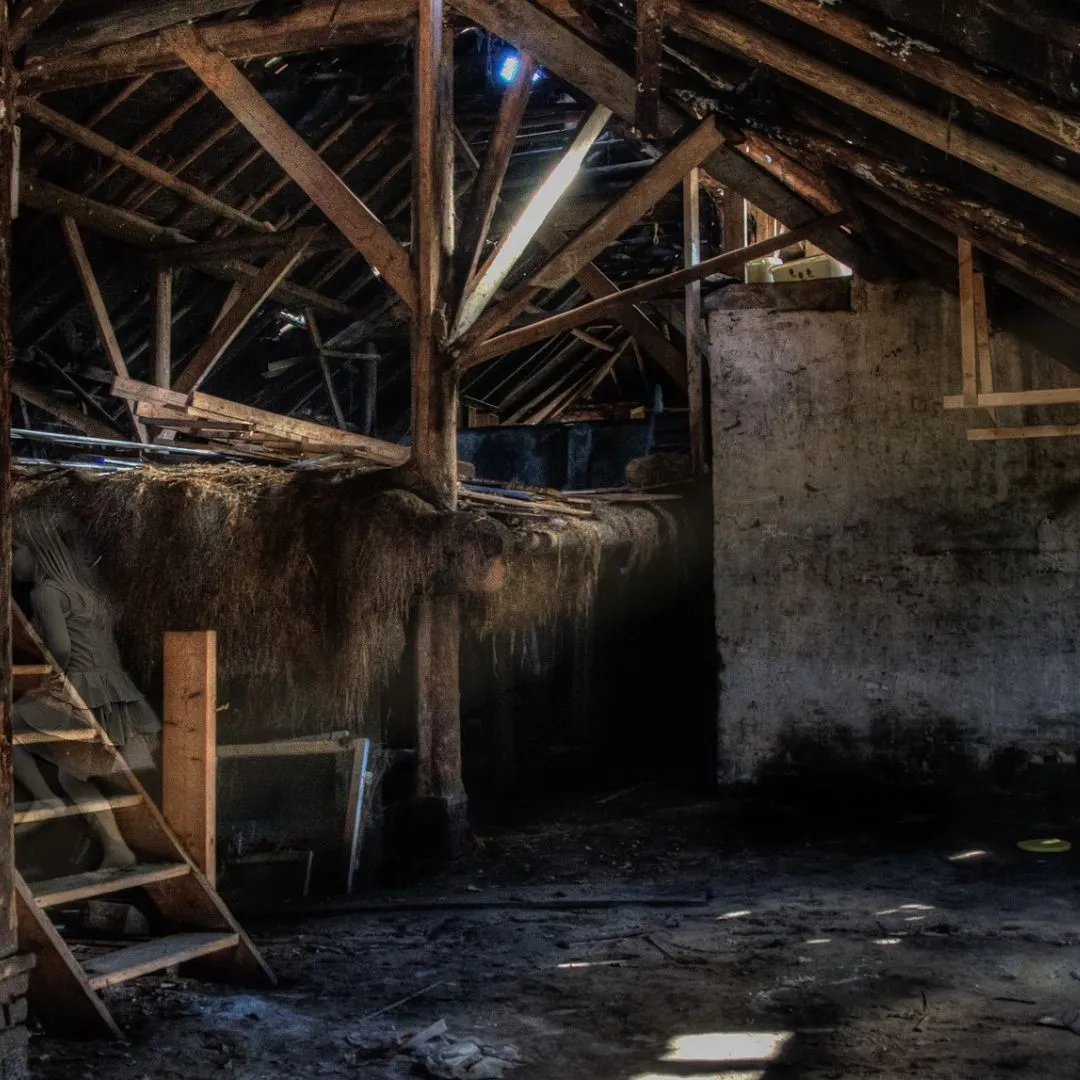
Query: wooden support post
[[982, 338], [968, 358], [434, 377], [189, 744], [324, 367], [734, 224], [438, 720], [106, 335], [650, 51], [163, 283], [369, 389], [695, 383]]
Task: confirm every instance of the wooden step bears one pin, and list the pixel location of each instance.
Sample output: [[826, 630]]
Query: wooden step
[[101, 882], [24, 815], [33, 738], [147, 956], [29, 676]]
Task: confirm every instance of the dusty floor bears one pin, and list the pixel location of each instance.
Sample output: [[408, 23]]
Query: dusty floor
[[848, 956]]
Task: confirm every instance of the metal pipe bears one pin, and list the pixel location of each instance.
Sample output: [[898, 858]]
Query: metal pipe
[[88, 440]]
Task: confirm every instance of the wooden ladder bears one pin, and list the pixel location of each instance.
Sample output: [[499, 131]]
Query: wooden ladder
[[199, 928]]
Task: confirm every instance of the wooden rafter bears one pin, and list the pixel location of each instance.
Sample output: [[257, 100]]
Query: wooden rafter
[[28, 17], [320, 25], [942, 133], [147, 169], [559, 50], [992, 95], [247, 301], [321, 184], [106, 334], [134, 229], [324, 367], [650, 50], [513, 243], [485, 193], [661, 286], [43, 399], [695, 382]]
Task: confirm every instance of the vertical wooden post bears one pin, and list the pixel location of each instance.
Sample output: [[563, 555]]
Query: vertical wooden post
[[968, 365], [7, 155], [189, 749], [438, 701], [163, 283], [734, 212], [650, 52], [434, 381], [695, 383]]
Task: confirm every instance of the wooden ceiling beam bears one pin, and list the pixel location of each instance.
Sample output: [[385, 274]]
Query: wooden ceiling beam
[[536, 27], [83, 136], [106, 334], [649, 53], [647, 290], [132, 228], [318, 181], [126, 23], [476, 222], [43, 399], [30, 15], [247, 301], [323, 24], [1024, 173], [991, 95]]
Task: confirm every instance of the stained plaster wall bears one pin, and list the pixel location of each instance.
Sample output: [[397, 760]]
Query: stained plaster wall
[[888, 593]]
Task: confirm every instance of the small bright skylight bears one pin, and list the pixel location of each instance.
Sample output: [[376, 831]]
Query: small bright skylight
[[508, 68]]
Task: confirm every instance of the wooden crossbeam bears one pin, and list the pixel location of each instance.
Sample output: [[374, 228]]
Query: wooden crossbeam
[[41, 398], [106, 333], [512, 245], [485, 193], [99, 144], [322, 24], [1036, 431], [695, 383], [649, 52], [1065, 395], [247, 302], [1014, 168], [988, 94], [661, 286], [319, 182]]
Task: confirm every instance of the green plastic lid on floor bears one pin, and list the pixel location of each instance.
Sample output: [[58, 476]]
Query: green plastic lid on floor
[[1045, 846]]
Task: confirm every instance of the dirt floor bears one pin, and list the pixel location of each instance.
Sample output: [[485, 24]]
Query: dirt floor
[[652, 936]]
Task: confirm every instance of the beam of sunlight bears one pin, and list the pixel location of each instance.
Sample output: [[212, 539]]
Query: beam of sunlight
[[887, 941], [733, 915], [963, 856], [716, 1047], [737, 1074], [577, 965], [906, 907], [818, 941]]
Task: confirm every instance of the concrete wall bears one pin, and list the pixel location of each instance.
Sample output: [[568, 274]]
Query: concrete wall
[[887, 591]]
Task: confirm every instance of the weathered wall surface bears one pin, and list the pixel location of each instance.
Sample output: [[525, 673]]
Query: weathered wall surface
[[887, 592]]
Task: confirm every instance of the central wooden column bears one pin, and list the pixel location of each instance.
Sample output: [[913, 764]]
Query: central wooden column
[[439, 824]]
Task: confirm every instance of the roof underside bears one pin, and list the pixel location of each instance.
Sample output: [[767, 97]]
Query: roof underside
[[802, 146]]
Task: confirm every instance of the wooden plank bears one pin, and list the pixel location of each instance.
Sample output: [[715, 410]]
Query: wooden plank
[[941, 132], [106, 334], [513, 243], [64, 412], [558, 49], [24, 815], [318, 181], [189, 743], [128, 22], [485, 193], [695, 380], [989, 94], [611, 223], [438, 721], [36, 738], [649, 53], [29, 16], [968, 365], [163, 283], [354, 807], [1023, 398], [434, 382], [284, 748], [1040, 431], [248, 300], [145, 957], [324, 367], [100, 145], [735, 221], [60, 995], [322, 24], [29, 676], [579, 316], [982, 338], [66, 890]]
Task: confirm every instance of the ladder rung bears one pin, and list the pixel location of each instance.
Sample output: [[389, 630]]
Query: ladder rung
[[27, 676], [32, 738], [147, 956], [24, 815], [101, 882]]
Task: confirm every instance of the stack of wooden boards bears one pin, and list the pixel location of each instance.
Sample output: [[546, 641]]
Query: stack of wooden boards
[[241, 428]]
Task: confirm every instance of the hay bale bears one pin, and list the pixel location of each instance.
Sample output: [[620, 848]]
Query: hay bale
[[659, 470]]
